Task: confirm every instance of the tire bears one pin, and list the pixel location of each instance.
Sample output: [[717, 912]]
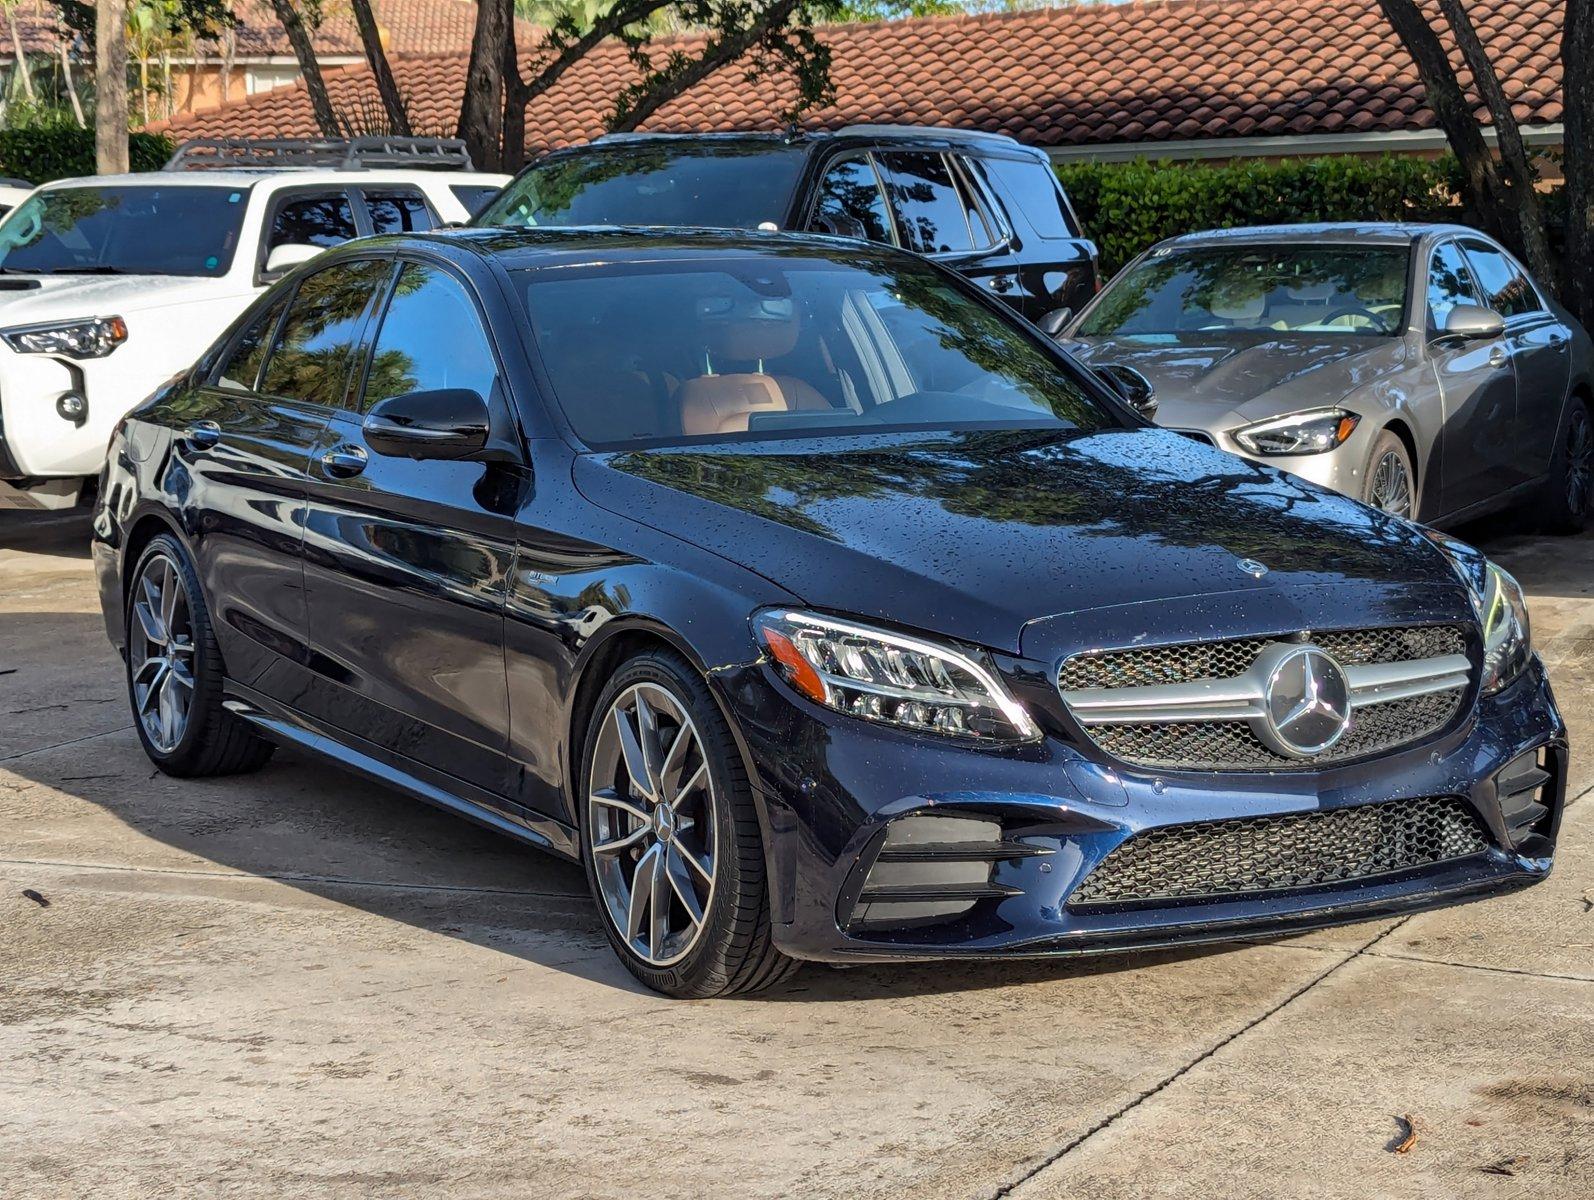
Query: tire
[[1568, 495], [208, 740], [1387, 466], [730, 949]]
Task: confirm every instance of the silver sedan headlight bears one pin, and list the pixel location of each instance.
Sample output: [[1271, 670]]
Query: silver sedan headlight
[[1312, 432], [1501, 609], [891, 678], [92, 338]]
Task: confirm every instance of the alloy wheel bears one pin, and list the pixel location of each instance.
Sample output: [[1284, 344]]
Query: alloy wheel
[[1579, 461], [650, 818], [161, 653], [1391, 489]]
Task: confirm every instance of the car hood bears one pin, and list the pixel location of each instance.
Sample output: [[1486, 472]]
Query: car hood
[[976, 535], [26, 299], [1221, 381]]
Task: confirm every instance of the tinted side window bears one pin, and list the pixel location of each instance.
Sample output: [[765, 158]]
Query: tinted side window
[[1450, 283], [398, 212], [1033, 188], [431, 337], [313, 221], [317, 343], [851, 203], [931, 212], [1508, 290], [242, 368], [474, 196]]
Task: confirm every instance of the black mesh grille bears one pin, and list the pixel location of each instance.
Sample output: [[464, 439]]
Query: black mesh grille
[[1270, 854]]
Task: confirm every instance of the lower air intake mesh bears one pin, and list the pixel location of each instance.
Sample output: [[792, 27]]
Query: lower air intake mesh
[[1269, 854]]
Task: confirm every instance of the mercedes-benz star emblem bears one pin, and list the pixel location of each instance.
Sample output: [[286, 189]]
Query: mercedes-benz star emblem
[[1251, 567], [1306, 703]]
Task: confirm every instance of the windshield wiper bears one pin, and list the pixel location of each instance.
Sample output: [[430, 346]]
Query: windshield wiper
[[89, 271]]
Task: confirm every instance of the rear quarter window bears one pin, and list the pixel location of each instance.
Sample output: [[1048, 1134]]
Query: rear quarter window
[[1032, 186]]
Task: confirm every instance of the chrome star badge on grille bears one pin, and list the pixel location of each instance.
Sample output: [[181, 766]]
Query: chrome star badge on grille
[[1306, 702]]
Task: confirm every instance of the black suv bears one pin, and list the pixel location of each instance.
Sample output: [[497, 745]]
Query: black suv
[[980, 202]]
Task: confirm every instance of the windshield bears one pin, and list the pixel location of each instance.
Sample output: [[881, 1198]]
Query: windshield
[[141, 230], [1355, 291], [725, 187], [739, 346]]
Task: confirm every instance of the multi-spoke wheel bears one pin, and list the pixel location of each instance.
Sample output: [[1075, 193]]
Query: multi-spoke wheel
[[671, 838], [1569, 493], [1390, 484], [174, 671]]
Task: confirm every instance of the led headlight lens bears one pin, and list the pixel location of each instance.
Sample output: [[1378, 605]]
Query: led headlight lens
[[891, 678], [93, 338], [1299, 433], [1502, 611]]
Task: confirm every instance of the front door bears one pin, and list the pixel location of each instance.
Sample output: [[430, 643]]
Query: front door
[[407, 562]]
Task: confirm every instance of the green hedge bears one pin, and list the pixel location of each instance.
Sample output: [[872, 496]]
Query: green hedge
[[42, 153], [1129, 206]]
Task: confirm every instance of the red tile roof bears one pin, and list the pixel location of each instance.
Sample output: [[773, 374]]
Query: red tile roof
[[1093, 74]]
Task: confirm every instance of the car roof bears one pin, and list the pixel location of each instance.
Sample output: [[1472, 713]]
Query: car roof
[[1381, 233], [808, 138], [528, 247], [284, 176]]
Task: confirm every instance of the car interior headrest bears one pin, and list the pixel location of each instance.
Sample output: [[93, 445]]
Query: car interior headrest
[[745, 329], [1237, 308]]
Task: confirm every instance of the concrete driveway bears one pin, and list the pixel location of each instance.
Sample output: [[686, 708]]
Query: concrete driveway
[[296, 984]]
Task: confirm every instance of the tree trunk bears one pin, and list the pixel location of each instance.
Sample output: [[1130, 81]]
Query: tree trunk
[[481, 112], [398, 118], [110, 72], [516, 97], [1577, 66], [1519, 193], [71, 86], [22, 59], [304, 51]]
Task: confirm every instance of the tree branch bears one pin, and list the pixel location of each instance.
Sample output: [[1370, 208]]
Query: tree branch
[[398, 118], [304, 50]]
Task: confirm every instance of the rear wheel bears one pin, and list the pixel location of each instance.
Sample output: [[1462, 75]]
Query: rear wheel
[[1569, 494], [670, 837], [174, 672], [1391, 484]]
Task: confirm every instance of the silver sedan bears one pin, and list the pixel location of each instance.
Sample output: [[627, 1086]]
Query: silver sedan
[[1416, 367]]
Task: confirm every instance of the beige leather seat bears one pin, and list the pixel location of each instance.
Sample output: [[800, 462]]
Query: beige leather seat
[[723, 403]]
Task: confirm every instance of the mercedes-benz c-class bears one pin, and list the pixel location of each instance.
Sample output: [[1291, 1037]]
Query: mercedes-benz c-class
[[818, 604]]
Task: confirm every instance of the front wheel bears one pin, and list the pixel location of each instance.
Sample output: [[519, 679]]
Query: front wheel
[[1391, 483], [670, 837], [1569, 493]]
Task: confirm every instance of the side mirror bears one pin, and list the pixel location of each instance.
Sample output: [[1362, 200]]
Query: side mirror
[[448, 423], [285, 257], [1131, 385], [1474, 322], [1053, 323]]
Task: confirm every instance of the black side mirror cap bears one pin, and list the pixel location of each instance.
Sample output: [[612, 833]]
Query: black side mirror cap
[[1131, 386], [1054, 322], [445, 423]]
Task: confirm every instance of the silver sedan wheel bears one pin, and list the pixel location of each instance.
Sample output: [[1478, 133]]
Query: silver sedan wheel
[[1391, 488], [1579, 462], [650, 819], [161, 653]]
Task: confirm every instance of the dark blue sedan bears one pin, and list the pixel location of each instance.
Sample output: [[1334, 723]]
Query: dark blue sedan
[[819, 605]]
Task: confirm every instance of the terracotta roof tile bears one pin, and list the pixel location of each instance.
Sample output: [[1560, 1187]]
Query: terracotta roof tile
[[1150, 69]]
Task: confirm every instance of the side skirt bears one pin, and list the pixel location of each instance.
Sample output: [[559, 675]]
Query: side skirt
[[365, 759]]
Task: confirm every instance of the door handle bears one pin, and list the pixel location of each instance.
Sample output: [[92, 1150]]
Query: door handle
[[1498, 356], [343, 462], [202, 435]]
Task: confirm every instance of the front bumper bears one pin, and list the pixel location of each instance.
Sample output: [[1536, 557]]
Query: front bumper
[[832, 790]]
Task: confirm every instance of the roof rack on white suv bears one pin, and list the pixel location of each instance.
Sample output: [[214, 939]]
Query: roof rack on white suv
[[344, 154]]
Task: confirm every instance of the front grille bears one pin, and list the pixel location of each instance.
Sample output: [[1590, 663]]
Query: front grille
[[1233, 745], [1250, 855]]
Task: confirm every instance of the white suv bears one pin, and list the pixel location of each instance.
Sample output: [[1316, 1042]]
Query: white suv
[[111, 285]]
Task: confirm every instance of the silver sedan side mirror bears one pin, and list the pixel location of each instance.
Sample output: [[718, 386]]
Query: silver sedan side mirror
[[1474, 322]]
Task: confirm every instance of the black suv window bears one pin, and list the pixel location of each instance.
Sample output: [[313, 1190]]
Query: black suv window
[[311, 358], [242, 368], [931, 209], [1033, 188], [398, 212], [851, 202], [324, 220], [1509, 292], [1450, 283], [431, 337]]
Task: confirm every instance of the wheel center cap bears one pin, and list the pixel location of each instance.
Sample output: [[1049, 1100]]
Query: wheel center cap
[[663, 823]]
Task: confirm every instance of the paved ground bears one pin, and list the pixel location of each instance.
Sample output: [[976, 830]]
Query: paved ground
[[297, 985]]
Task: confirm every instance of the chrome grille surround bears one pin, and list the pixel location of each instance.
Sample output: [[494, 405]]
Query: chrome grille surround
[[1202, 706], [1208, 860]]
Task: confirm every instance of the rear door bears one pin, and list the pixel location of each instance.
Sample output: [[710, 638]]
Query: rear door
[[1477, 388], [1541, 346], [1057, 265], [407, 562]]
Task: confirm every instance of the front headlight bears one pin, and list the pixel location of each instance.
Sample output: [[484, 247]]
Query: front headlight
[[93, 338], [1502, 611], [1299, 433], [891, 678]]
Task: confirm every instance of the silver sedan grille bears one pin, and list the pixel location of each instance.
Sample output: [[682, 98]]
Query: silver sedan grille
[[1227, 706]]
